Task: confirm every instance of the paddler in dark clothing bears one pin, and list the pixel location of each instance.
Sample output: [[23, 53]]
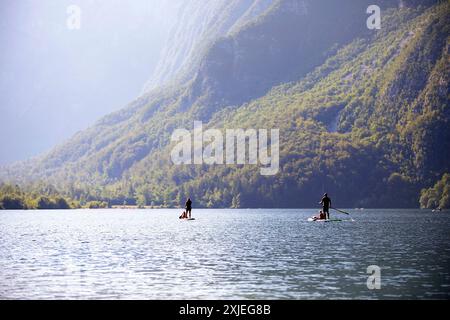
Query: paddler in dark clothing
[[188, 207], [326, 204]]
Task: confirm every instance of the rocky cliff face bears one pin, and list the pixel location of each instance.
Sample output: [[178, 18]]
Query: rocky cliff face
[[275, 49], [234, 51], [197, 25]]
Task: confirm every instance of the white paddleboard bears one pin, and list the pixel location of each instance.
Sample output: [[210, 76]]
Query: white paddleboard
[[324, 220]]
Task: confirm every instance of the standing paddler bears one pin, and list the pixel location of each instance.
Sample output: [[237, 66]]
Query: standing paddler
[[326, 204], [188, 206]]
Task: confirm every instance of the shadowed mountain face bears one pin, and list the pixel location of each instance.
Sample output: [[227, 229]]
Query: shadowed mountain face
[[362, 113], [237, 50], [198, 24]]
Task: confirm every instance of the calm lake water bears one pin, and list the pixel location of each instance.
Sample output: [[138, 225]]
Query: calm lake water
[[224, 254]]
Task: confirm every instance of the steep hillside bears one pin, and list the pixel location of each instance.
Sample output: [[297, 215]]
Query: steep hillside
[[438, 196], [362, 114]]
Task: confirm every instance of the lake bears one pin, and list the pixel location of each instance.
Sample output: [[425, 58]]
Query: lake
[[223, 254]]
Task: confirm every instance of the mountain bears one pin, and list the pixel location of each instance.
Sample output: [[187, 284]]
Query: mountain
[[362, 114]]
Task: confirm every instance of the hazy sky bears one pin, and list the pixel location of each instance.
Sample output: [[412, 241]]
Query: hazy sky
[[55, 81]]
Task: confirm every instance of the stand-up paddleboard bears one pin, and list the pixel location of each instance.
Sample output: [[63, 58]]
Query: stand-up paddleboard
[[325, 220], [188, 219]]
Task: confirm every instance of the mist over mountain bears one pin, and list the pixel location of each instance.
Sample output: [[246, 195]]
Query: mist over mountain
[[362, 114], [55, 81]]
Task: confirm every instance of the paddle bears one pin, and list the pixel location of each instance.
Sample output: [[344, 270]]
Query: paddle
[[340, 210]]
